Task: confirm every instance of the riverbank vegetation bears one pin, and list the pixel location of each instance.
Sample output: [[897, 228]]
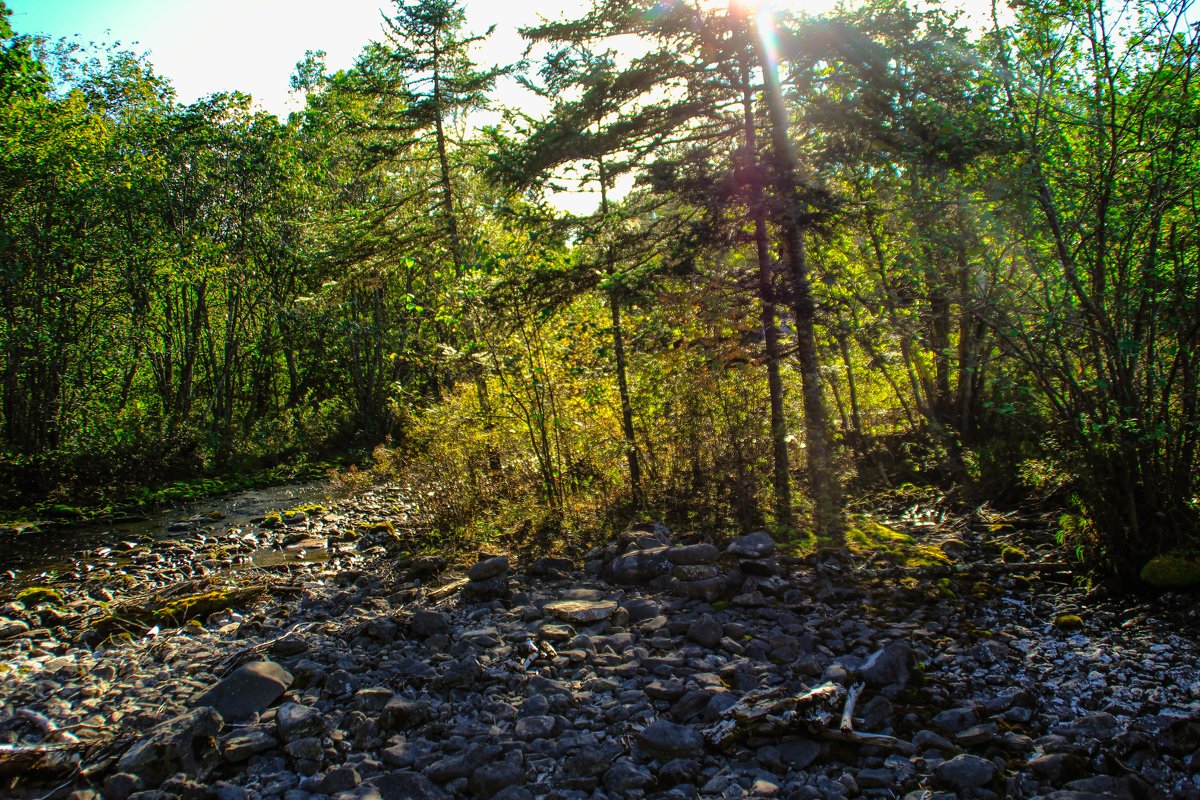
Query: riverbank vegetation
[[869, 252]]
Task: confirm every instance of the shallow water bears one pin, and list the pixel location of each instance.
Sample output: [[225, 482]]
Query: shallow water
[[32, 557]]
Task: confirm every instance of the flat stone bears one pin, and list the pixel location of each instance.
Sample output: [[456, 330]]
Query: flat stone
[[956, 720], [965, 771], [694, 572], [294, 721], [243, 744], [1057, 768], [667, 740], [489, 779], [402, 714], [399, 785], [753, 545], [693, 554], [797, 754], [708, 590], [581, 611], [535, 727], [551, 567], [425, 623], [488, 568], [249, 689]]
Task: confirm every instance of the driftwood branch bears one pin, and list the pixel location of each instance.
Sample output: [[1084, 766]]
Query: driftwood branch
[[847, 725], [773, 712]]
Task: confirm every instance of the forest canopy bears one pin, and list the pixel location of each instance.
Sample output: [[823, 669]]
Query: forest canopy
[[862, 253]]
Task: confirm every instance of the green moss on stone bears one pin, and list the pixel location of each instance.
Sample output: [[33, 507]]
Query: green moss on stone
[[1068, 622], [40, 594], [1175, 570], [1012, 555]]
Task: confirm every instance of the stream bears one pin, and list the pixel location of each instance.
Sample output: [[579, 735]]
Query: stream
[[221, 525]]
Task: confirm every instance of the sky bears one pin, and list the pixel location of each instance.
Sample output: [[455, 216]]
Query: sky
[[206, 46]]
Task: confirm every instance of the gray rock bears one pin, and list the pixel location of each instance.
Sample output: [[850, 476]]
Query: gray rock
[[753, 545], [965, 771], [551, 567], [706, 631], [462, 765], [12, 627], [708, 590], [341, 779], [425, 623], [401, 786], [294, 721], [308, 748], [183, 744], [402, 714], [956, 720], [581, 611], [928, 740], [667, 740], [535, 727], [693, 554], [888, 666], [120, 785], [489, 568], [638, 567], [797, 754], [625, 775], [489, 779], [248, 690], [490, 589], [695, 572], [1057, 768], [641, 609], [241, 745]]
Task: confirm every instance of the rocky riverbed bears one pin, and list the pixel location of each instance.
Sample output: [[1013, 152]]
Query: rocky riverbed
[[661, 665]]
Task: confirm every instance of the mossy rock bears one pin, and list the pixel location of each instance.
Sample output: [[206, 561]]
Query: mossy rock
[[272, 520], [309, 509], [377, 527], [1068, 622], [1013, 555], [1175, 570], [866, 537], [40, 594]]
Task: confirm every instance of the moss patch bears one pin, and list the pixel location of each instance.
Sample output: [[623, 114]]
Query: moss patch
[[1068, 622], [40, 594], [1013, 555], [1175, 570], [866, 537], [377, 527]]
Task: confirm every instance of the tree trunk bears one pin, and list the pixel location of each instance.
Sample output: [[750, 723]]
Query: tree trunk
[[823, 481], [766, 304]]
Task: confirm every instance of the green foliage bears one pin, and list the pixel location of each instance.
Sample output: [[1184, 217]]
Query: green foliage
[[995, 231]]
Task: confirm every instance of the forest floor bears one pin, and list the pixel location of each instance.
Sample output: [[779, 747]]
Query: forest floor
[[340, 666]]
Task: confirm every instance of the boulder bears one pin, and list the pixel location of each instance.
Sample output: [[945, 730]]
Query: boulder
[[638, 567], [753, 545], [248, 690], [184, 744]]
